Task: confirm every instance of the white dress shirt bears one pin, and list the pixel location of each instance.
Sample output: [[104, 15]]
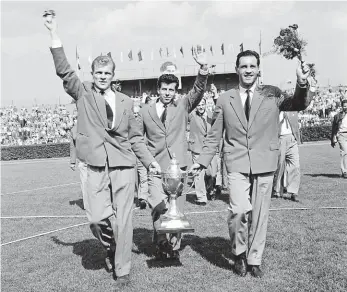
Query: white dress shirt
[[160, 108], [243, 94], [285, 126], [110, 97]]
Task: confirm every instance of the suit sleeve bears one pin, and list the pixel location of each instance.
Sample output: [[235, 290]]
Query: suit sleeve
[[195, 95], [213, 137], [334, 128], [72, 84], [299, 101], [137, 140]]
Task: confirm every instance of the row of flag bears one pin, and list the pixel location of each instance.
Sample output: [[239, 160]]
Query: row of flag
[[164, 53]]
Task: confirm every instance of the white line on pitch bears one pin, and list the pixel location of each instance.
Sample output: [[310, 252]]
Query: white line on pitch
[[313, 144], [45, 233], [44, 188], [30, 161]]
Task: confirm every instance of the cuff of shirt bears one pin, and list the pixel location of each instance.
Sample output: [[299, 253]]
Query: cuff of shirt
[[56, 44], [303, 85]]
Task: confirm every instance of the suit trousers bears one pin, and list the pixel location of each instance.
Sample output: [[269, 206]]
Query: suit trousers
[[342, 140], [142, 188], [110, 197], [249, 203], [287, 174], [199, 182], [82, 166], [158, 202]]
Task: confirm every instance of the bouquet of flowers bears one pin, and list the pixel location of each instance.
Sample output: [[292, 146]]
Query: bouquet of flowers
[[290, 45]]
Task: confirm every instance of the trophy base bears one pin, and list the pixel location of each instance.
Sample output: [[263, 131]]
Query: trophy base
[[180, 225]]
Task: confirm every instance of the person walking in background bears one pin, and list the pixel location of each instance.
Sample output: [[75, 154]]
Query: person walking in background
[[339, 135], [249, 115], [108, 139]]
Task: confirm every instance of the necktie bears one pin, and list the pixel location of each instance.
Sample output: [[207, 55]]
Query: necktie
[[163, 115], [247, 105], [109, 111], [205, 123]]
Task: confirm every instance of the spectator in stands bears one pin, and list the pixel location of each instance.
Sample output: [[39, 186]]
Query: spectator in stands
[[339, 135]]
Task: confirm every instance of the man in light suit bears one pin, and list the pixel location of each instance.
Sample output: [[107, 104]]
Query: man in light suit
[[107, 138], [287, 174], [200, 123], [249, 115], [164, 124]]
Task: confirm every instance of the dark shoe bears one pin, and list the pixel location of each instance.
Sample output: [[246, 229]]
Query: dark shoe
[[163, 249], [122, 281], [109, 261], [174, 255], [287, 196], [294, 198], [276, 195], [256, 272], [142, 204], [344, 175], [200, 203], [240, 266]]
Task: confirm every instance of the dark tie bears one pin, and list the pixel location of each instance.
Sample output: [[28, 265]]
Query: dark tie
[[109, 111], [247, 105], [163, 115]]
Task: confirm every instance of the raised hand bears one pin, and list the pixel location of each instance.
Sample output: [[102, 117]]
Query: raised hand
[[302, 72], [200, 56], [50, 22]]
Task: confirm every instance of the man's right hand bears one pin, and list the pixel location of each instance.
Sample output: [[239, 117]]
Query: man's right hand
[[333, 143], [196, 168], [50, 22], [73, 166], [154, 168]]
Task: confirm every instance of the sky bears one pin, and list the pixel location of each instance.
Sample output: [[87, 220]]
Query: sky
[[28, 74]]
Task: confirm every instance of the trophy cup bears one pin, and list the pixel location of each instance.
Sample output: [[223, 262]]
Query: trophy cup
[[174, 180]]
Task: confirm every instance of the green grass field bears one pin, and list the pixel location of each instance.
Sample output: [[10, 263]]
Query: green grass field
[[306, 250]]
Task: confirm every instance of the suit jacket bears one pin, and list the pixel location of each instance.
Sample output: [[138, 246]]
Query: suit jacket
[[198, 132], [95, 142], [73, 155], [165, 140], [336, 124], [253, 146], [293, 120]]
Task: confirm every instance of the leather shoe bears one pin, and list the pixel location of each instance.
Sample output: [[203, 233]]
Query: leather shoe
[[142, 204], [122, 281], [174, 255], [294, 198], [200, 203], [256, 271], [240, 266]]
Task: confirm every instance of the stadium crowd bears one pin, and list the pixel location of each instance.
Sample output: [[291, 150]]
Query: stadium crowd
[[52, 124]]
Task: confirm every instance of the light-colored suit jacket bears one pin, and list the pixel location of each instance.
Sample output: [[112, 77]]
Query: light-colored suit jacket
[[165, 140], [95, 141], [253, 146], [198, 132]]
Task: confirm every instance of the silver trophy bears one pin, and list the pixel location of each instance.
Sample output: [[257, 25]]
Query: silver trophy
[[174, 180]]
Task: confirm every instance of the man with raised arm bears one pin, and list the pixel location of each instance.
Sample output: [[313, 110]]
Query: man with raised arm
[[107, 138], [249, 115], [164, 122]]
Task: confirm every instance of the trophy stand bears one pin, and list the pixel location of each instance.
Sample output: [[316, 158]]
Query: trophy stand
[[174, 180]]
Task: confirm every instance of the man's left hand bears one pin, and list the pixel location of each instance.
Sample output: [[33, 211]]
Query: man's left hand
[[302, 73], [200, 56]]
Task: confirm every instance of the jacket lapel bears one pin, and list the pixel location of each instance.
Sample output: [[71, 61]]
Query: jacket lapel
[[154, 116], [256, 102], [171, 113], [119, 109], [235, 102], [101, 106]]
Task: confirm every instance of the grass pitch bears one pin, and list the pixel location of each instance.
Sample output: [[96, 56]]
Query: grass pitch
[[305, 250]]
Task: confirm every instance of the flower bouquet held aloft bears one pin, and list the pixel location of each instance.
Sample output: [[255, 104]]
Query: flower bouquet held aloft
[[49, 14], [290, 45]]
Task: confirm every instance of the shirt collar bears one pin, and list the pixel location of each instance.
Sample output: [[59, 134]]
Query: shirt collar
[[98, 90], [243, 90]]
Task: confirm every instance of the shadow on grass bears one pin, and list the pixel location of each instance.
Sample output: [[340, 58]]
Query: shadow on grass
[[330, 175], [78, 202], [91, 251], [216, 250]]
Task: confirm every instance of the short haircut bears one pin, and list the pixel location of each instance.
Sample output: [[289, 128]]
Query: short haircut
[[247, 53], [102, 61], [343, 101], [164, 66], [168, 79]]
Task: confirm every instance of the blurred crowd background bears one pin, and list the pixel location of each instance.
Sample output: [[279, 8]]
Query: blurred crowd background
[[52, 124]]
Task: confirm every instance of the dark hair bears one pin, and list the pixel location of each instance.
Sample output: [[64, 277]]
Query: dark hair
[[247, 53], [164, 66], [343, 101], [102, 61], [148, 100], [168, 79]]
